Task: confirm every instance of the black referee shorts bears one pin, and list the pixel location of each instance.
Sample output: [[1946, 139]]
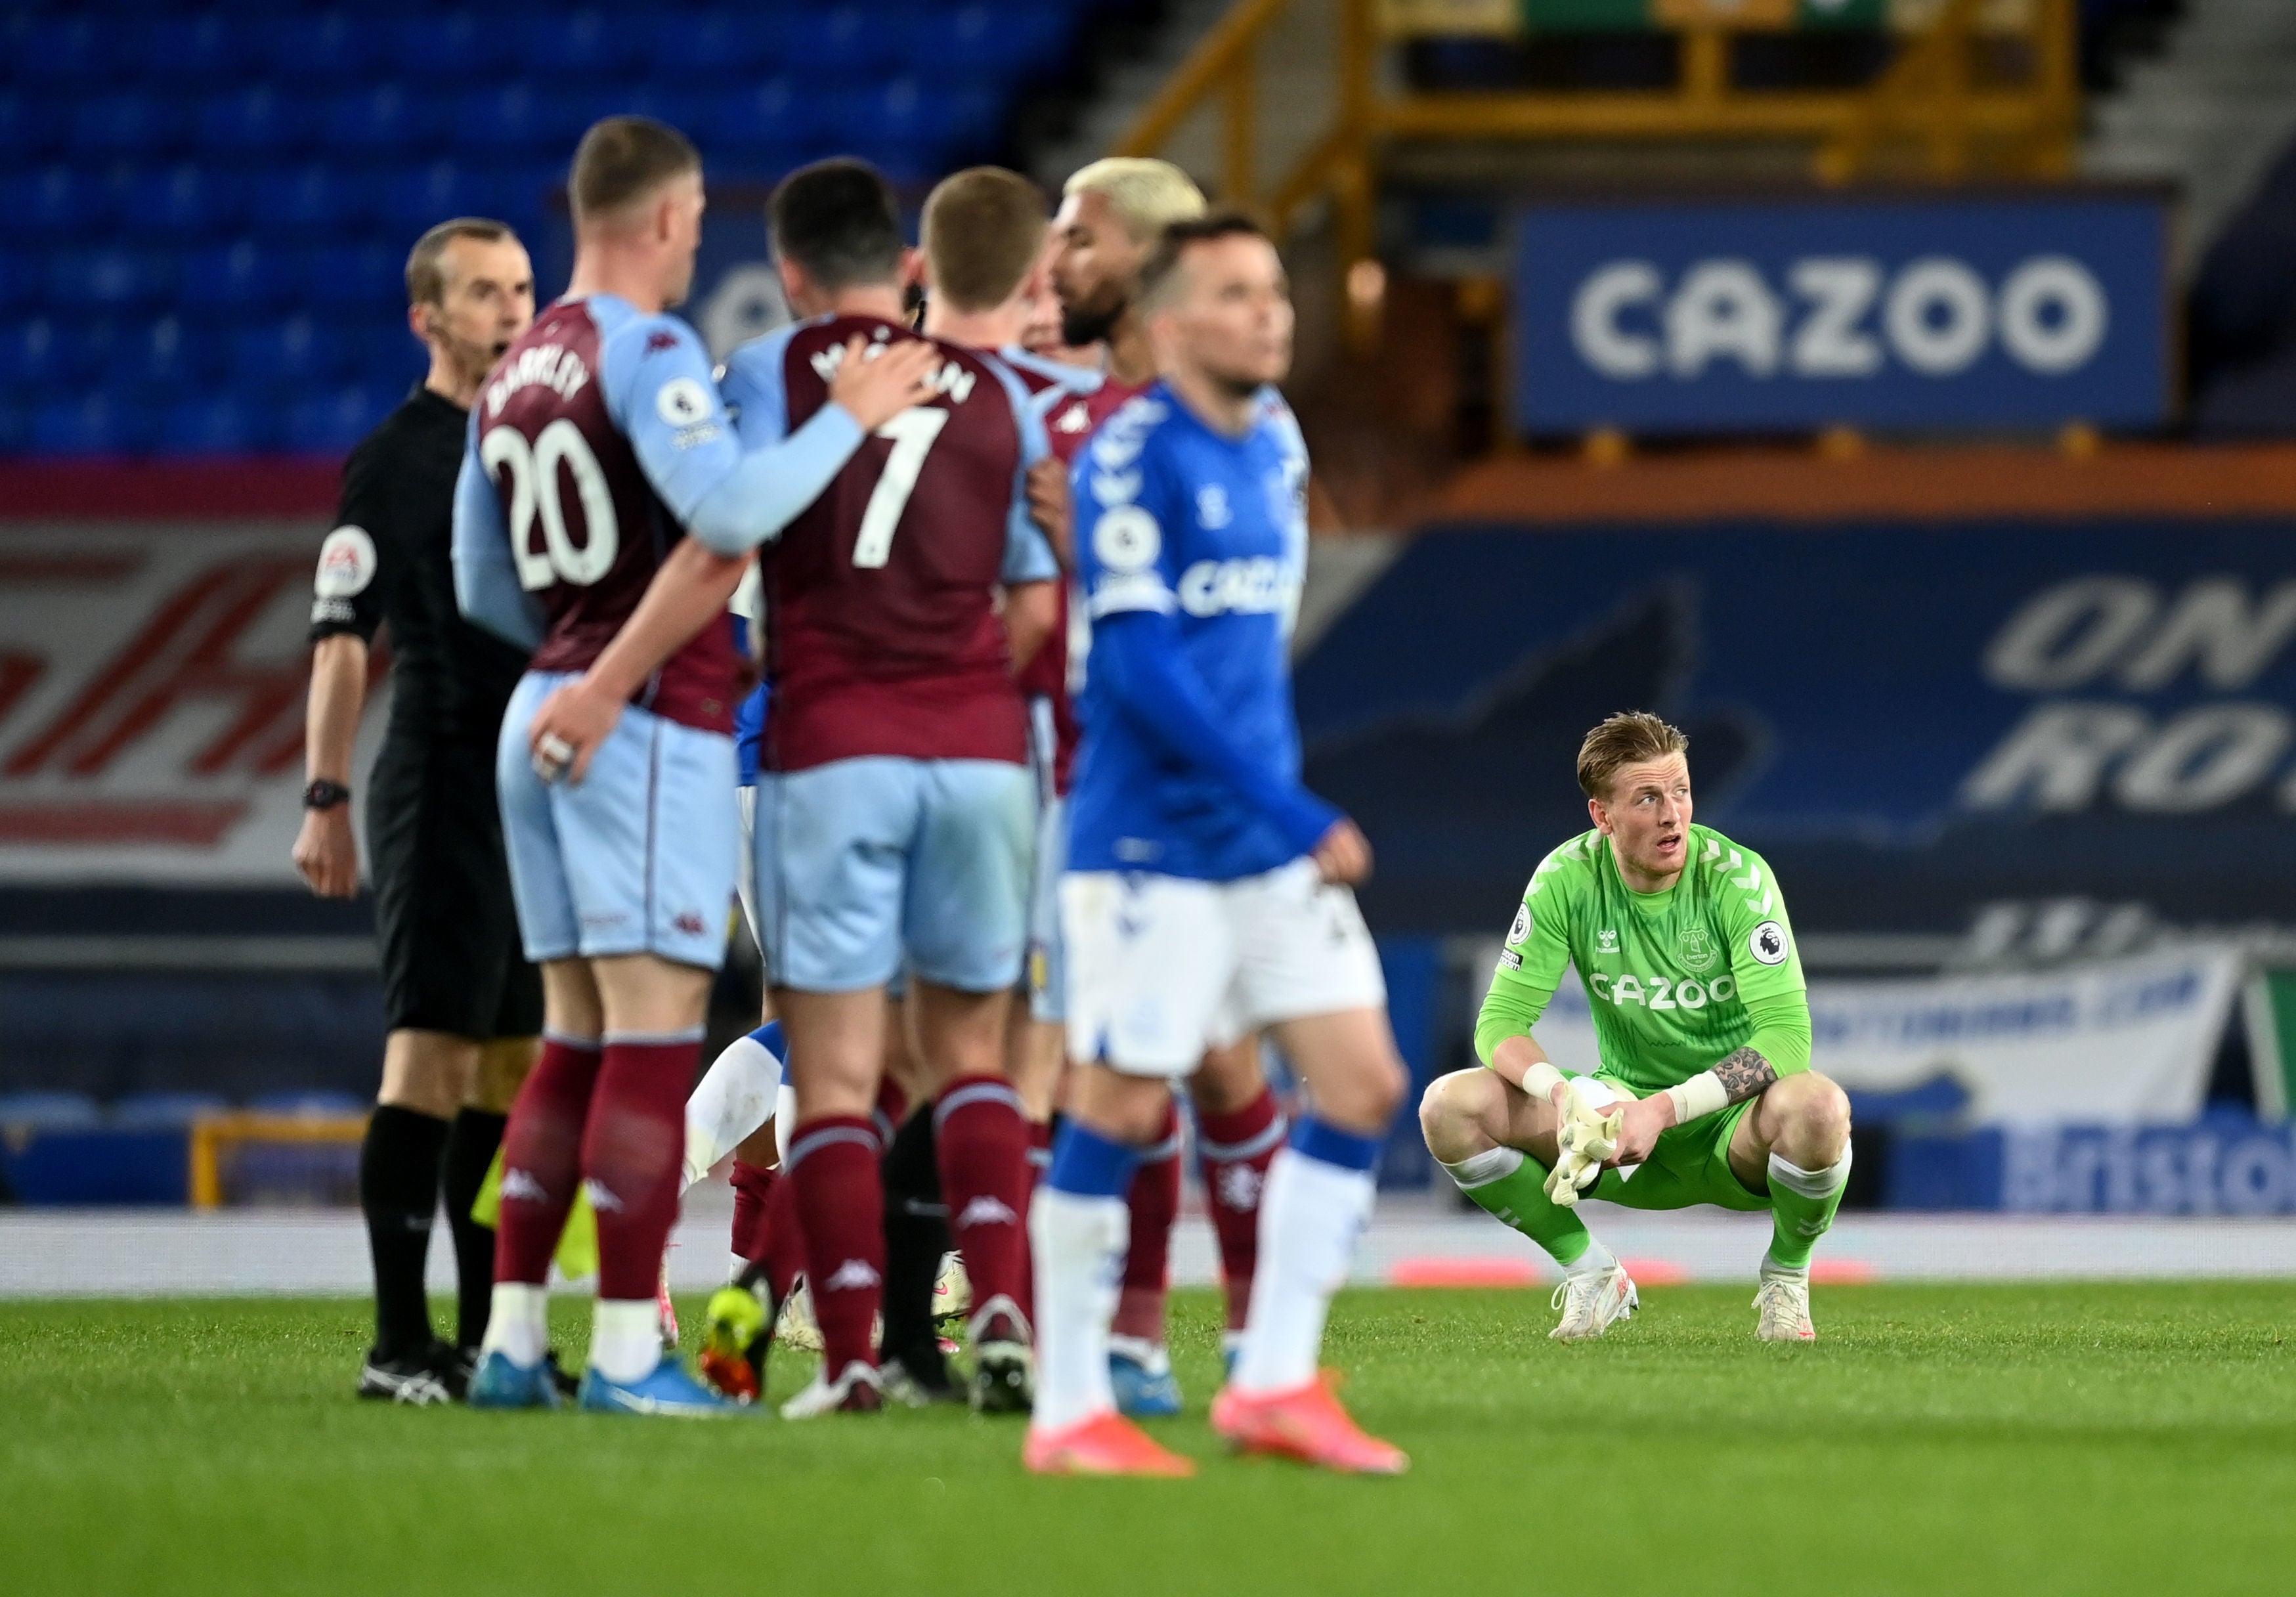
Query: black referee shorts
[[448, 932]]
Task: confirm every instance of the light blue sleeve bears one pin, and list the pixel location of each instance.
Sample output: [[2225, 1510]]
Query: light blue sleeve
[[1027, 553], [1125, 520], [487, 589], [756, 389], [660, 391]]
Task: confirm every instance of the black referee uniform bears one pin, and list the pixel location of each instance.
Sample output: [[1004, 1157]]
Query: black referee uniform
[[448, 933]]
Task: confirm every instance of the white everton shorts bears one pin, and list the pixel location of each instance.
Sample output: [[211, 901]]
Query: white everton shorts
[[1160, 968], [637, 859]]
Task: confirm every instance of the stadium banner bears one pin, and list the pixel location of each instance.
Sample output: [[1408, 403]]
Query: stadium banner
[[1985, 311], [152, 692], [2062, 735], [2115, 1042]]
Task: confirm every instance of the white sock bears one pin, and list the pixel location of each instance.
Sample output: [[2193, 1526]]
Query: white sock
[[1077, 1243], [1596, 1258], [736, 1096], [1153, 1357], [518, 1325], [1310, 1214], [626, 1338]]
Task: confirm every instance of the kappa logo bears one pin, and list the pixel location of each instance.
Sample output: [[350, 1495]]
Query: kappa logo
[[520, 1186], [1767, 943], [688, 923], [1076, 419], [1240, 1187], [854, 1275], [1696, 948], [987, 1210], [602, 1196], [1606, 942], [658, 342]]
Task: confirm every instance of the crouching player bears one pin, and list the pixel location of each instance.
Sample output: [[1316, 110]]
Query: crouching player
[[1705, 1093], [1207, 891]]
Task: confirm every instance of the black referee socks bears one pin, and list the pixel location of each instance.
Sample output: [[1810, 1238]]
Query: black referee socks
[[472, 1140], [398, 1192]]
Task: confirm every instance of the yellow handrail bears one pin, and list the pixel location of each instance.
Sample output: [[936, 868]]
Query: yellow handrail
[[210, 1132], [1927, 95]]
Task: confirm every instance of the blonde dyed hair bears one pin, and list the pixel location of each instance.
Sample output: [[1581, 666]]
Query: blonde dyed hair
[[1629, 737], [1146, 195]]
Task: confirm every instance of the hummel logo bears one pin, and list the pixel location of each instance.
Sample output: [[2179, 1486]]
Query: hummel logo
[[987, 1210], [602, 1198], [854, 1275], [519, 1184]]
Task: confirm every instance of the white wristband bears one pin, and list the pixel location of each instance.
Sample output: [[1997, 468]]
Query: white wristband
[[1702, 1094], [1541, 1080]]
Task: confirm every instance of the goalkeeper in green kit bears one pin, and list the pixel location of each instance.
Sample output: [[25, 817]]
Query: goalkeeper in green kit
[[1705, 1094]]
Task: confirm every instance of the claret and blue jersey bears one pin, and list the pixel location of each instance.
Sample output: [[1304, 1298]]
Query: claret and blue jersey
[[1191, 546]]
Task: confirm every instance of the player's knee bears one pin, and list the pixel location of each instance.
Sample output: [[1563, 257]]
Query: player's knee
[[1816, 1121], [1451, 1116]]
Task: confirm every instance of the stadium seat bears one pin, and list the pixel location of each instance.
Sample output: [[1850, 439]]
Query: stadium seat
[[715, 46], [238, 274], [109, 280], [356, 277], [196, 49], [330, 48], [18, 281], [187, 201], [457, 43], [559, 49], [33, 127], [162, 357], [844, 41], [779, 113], [73, 51], [509, 122], [385, 120], [132, 122], [982, 42], [313, 202], [214, 425], [154, 1111], [48, 1111], [272, 354], [56, 202], [92, 423], [46, 351], [259, 122]]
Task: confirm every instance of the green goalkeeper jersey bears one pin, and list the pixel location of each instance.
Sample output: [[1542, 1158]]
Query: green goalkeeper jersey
[[1678, 980]]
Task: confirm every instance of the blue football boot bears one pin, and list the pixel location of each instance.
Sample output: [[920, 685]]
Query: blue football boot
[[669, 1392], [500, 1382], [1141, 1373]]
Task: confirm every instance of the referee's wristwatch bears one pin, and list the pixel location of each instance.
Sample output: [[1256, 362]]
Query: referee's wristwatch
[[324, 794]]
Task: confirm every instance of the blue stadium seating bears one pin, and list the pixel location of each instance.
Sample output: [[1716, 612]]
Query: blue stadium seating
[[204, 209]]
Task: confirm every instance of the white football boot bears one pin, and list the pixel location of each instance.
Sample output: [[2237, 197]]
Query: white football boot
[[1591, 1300], [858, 1389], [1782, 1309]]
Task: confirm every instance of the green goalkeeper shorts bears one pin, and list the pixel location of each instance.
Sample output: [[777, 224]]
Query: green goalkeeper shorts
[[1690, 1164]]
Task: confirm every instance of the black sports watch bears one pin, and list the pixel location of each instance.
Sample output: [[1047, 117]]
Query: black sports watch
[[324, 794]]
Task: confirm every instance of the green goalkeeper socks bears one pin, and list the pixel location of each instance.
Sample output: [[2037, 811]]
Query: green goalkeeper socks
[[1512, 1187], [1802, 1208]]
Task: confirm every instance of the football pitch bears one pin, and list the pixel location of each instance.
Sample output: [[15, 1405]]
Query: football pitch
[[1939, 1439]]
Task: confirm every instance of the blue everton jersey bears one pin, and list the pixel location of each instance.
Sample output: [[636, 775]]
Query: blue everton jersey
[[1209, 532]]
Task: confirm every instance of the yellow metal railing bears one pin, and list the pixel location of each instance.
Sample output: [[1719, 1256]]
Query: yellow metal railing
[[211, 1135], [1931, 100]]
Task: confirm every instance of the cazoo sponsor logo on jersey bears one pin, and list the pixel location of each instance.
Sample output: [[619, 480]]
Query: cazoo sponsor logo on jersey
[[1663, 992]]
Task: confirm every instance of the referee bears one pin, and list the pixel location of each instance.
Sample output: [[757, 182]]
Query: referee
[[465, 1008]]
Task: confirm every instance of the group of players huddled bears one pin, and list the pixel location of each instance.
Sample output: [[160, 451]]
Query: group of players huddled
[[960, 649]]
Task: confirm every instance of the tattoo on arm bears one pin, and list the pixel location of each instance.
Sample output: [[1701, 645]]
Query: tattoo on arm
[[1744, 1075]]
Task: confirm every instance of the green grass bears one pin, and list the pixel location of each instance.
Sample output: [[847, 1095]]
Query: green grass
[[2011, 1439]]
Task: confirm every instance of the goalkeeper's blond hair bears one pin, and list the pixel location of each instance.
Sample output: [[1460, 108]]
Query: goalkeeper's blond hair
[[1146, 195]]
